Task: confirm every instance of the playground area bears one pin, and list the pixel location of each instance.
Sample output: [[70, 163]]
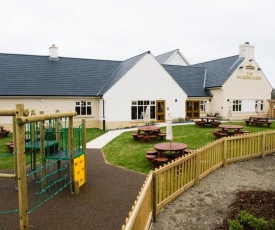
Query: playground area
[[50, 168], [103, 202]]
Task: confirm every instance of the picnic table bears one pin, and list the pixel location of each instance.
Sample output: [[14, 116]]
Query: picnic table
[[258, 121], [229, 130], [148, 133], [213, 121], [168, 151]]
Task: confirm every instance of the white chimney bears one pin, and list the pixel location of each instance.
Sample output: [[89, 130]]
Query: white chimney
[[247, 51], [53, 53]]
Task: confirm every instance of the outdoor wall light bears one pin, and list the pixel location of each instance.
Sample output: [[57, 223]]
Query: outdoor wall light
[[228, 99], [210, 99], [176, 100], [240, 67], [259, 68]]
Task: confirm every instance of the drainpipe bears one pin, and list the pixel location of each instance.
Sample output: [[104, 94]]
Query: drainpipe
[[103, 113]]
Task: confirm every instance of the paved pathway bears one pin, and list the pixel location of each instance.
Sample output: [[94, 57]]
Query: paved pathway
[[101, 141]]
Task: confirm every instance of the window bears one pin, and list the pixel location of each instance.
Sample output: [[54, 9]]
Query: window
[[237, 105], [261, 103], [203, 106], [138, 109], [83, 107]]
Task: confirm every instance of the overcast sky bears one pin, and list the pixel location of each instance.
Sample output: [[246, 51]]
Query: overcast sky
[[203, 30]]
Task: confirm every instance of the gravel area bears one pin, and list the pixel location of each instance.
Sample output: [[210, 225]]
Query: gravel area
[[204, 206]]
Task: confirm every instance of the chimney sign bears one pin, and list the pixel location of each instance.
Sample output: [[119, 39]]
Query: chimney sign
[[250, 67]]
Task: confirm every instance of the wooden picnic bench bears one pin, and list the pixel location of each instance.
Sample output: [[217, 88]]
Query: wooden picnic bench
[[148, 133], [3, 132], [258, 121], [208, 120], [229, 130]]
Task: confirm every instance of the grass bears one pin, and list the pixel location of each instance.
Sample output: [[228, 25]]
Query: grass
[[124, 151], [6, 158]]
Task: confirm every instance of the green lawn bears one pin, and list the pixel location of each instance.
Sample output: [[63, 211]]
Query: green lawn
[[124, 151]]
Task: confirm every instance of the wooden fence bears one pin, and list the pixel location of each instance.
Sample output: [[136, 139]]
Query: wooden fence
[[168, 182]]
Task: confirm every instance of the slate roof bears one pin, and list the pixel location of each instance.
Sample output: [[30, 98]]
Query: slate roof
[[163, 58], [190, 79], [29, 75], [218, 71], [122, 69]]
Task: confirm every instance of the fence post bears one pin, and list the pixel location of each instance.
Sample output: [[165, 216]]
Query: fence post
[[198, 166], [71, 149], [84, 145], [224, 152], [15, 153], [22, 178], [263, 145], [42, 150], [154, 191]]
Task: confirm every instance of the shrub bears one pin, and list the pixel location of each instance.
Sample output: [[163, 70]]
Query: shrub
[[235, 225], [246, 219]]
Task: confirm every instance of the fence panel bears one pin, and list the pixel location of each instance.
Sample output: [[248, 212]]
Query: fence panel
[[245, 146], [269, 142], [174, 178], [140, 216], [211, 158]]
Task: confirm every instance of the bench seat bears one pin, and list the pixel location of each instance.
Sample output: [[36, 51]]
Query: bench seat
[[10, 146], [151, 152], [152, 160], [215, 124], [200, 123], [162, 135], [161, 160], [135, 135]]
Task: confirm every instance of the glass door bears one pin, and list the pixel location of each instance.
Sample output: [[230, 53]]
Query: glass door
[[193, 109], [160, 111]]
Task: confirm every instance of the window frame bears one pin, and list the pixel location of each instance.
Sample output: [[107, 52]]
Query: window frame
[[237, 105], [261, 105], [139, 108], [84, 105], [203, 105]]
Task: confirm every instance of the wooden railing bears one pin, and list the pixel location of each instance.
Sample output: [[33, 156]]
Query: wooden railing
[[141, 215], [168, 182]]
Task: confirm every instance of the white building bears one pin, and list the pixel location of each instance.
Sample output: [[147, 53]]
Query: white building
[[115, 94]]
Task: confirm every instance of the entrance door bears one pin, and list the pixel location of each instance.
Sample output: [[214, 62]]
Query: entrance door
[[160, 111], [193, 109]]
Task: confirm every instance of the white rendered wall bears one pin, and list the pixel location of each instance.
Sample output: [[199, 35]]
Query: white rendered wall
[[216, 103], [147, 80], [247, 84]]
